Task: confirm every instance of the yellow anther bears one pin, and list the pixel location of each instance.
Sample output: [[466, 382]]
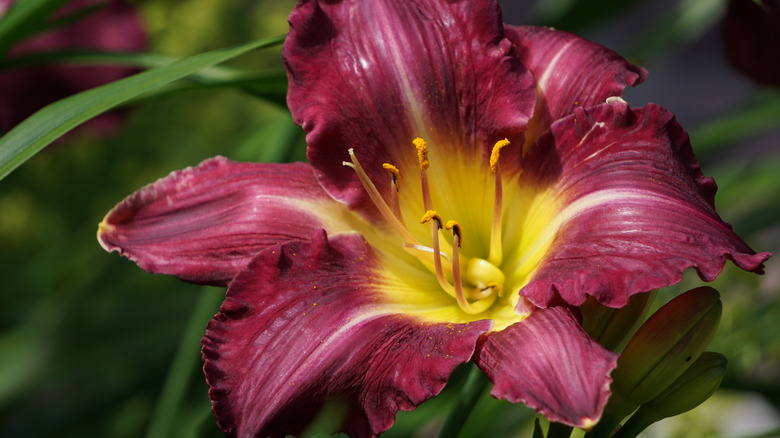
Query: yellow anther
[[456, 231], [494, 155], [396, 174], [431, 214], [422, 152]]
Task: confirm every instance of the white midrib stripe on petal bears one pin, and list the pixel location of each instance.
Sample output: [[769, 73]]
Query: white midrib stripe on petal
[[313, 362], [590, 202], [400, 63], [551, 66]]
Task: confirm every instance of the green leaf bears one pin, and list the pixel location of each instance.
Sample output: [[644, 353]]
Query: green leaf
[[146, 61], [558, 430], [278, 137], [180, 373], [679, 25], [759, 114], [270, 85], [54, 120], [574, 16], [475, 385]]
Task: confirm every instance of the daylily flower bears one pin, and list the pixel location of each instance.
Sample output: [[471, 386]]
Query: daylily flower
[[469, 184]]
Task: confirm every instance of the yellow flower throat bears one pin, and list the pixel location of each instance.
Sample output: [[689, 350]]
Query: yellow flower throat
[[475, 283]]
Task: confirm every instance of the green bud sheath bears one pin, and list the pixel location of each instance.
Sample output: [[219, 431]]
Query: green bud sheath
[[613, 327], [667, 344], [691, 389]]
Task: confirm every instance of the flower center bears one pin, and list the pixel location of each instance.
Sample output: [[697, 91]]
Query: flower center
[[476, 283]]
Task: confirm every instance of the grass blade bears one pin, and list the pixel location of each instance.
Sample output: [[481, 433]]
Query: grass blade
[[51, 122]]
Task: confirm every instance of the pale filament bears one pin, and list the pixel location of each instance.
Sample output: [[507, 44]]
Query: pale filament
[[487, 290], [411, 245], [379, 202]]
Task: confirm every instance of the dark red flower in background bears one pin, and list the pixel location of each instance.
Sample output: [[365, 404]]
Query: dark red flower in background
[[751, 36], [116, 27]]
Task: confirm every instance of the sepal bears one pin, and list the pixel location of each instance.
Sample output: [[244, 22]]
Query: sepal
[[667, 344], [611, 327], [663, 348], [691, 389]]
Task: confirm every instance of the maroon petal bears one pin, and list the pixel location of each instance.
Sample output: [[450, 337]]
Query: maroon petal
[[635, 208], [548, 362], [570, 72], [305, 323], [373, 75], [204, 224]]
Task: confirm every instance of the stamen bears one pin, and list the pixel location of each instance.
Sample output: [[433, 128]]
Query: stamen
[[495, 153], [422, 160], [431, 215], [496, 254], [379, 202], [396, 175], [427, 217], [452, 225], [478, 306], [394, 203]]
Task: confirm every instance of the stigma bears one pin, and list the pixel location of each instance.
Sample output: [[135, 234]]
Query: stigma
[[474, 281]]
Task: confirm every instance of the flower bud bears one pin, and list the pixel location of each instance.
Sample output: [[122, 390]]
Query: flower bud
[[662, 349], [667, 344], [613, 327], [691, 389]]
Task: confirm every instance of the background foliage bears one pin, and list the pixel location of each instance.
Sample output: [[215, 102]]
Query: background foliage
[[90, 345]]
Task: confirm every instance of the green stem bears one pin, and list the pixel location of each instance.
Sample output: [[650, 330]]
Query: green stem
[[634, 426], [558, 430], [538, 433], [475, 385], [181, 370]]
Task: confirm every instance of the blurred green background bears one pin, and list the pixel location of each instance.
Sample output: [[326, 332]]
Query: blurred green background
[[90, 345]]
